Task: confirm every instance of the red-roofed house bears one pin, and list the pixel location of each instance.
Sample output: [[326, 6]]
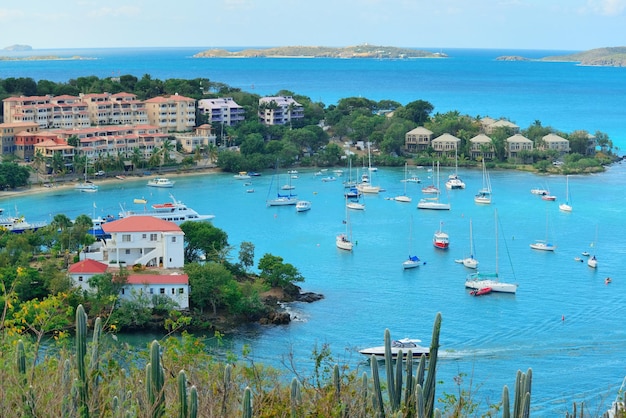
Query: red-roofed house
[[174, 286], [81, 272], [144, 240]]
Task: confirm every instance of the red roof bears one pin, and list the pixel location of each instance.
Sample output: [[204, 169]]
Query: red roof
[[88, 266], [158, 279], [140, 224]]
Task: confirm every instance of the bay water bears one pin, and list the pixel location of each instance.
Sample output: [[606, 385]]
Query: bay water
[[564, 322]]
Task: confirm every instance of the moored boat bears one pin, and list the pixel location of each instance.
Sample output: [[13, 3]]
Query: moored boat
[[174, 211], [405, 345], [161, 182], [303, 205]]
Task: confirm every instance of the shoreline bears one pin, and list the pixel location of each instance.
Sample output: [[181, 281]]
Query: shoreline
[[39, 188]]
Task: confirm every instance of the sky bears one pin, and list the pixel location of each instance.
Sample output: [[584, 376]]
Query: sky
[[568, 25]]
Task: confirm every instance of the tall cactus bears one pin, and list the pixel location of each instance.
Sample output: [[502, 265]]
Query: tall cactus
[[182, 395], [389, 371], [521, 400], [377, 398], [506, 409], [193, 402], [228, 383], [247, 403], [155, 381], [296, 397], [431, 381], [81, 351]]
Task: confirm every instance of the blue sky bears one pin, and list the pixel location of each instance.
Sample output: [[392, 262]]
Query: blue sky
[[429, 24]]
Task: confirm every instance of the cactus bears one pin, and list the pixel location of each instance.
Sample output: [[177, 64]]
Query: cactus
[[377, 399], [337, 382], [296, 397], [247, 403], [81, 351], [506, 409], [182, 394], [364, 391], [228, 371], [419, 401], [193, 402], [521, 400], [21, 360], [389, 371], [430, 385], [155, 378], [66, 387]]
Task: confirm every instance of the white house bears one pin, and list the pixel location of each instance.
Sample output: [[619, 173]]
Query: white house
[[144, 240], [174, 286], [81, 272]]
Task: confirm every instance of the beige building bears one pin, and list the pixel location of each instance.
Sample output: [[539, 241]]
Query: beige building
[[279, 110], [555, 142], [490, 128], [115, 109], [47, 111], [172, 114], [418, 139], [446, 144], [8, 132], [517, 143], [201, 138], [222, 111], [481, 146]]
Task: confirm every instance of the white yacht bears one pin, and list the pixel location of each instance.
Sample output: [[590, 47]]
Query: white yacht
[[174, 211], [161, 182], [405, 344]]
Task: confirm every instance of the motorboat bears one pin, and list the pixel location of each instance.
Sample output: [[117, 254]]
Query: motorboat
[[140, 201], [18, 225], [477, 281], [405, 345], [539, 191], [303, 205], [329, 178], [441, 240], [86, 186], [355, 205], [548, 197], [161, 182], [480, 292], [413, 179], [242, 175], [174, 211]]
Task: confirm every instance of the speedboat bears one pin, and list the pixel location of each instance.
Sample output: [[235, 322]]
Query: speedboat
[[86, 187], [303, 206], [242, 175], [161, 182], [405, 345], [482, 291]]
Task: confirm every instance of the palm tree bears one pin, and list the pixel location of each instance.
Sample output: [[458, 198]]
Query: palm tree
[[167, 146], [212, 152]]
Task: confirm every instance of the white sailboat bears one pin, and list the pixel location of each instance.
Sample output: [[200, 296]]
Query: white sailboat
[[484, 194], [470, 262], [404, 198], [412, 261], [280, 199], [566, 207], [344, 240], [543, 244], [482, 281], [433, 203], [431, 188], [454, 181], [593, 261], [86, 185], [366, 186]]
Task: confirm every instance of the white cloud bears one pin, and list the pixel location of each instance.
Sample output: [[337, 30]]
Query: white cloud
[[607, 7], [122, 11], [6, 14]]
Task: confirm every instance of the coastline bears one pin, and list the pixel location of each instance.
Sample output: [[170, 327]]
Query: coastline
[[39, 188]]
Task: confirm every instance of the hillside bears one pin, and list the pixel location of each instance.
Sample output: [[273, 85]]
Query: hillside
[[607, 57], [359, 51]]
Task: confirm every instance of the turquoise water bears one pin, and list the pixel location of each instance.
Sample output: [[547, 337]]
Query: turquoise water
[[564, 322]]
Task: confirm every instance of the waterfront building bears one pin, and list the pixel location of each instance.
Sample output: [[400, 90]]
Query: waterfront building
[[222, 110], [279, 110], [555, 142], [418, 139], [8, 133], [446, 144], [481, 146], [516, 144], [172, 114], [201, 138]]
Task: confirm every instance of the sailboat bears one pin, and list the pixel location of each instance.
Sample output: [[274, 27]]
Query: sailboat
[[454, 181], [484, 194], [543, 244], [433, 203], [403, 198], [349, 184], [366, 186], [431, 188], [441, 239], [566, 207], [413, 260], [481, 281], [470, 262], [593, 261], [344, 240], [86, 185], [280, 199]]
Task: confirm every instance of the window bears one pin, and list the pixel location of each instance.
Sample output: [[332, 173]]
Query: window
[[181, 290], [173, 291], [127, 251], [151, 291], [80, 278], [122, 291], [153, 237], [173, 239], [143, 236], [126, 238], [162, 290]]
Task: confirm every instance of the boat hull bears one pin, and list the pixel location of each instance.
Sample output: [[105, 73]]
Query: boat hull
[[476, 281], [343, 243]]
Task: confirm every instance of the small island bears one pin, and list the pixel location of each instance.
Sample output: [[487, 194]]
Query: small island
[[359, 51], [18, 47], [603, 57]]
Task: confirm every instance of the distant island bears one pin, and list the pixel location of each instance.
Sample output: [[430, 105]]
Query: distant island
[[359, 51], [18, 48], [601, 57], [43, 58]]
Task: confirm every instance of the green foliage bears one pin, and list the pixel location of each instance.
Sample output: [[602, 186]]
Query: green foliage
[[213, 286], [277, 273], [13, 175], [202, 239]]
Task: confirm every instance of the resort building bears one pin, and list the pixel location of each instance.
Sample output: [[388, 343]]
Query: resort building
[[54, 145], [172, 114], [481, 146], [279, 110], [140, 240], [446, 144], [115, 109], [516, 144], [200, 139], [81, 272], [47, 111], [8, 133], [555, 142], [490, 128], [222, 111], [418, 139]]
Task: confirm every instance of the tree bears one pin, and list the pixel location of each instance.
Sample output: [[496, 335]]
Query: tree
[[418, 112], [246, 254], [277, 273], [212, 285], [203, 239]]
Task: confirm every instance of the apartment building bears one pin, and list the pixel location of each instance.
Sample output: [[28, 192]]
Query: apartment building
[[172, 114], [221, 111], [279, 110], [8, 133]]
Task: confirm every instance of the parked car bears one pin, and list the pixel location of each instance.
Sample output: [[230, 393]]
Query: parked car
[[100, 173]]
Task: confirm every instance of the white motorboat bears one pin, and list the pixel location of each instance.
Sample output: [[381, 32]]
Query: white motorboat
[[17, 225], [303, 205], [174, 211], [405, 345], [161, 182], [242, 175], [87, 186]]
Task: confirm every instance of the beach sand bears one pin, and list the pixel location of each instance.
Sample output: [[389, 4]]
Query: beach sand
[[69, 183]]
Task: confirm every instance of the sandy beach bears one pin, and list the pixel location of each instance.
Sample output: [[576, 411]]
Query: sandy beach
[[38, 187]]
